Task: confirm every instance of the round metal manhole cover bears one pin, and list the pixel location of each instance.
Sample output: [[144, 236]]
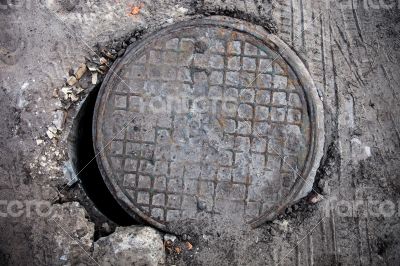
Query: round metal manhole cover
[[208, 119]]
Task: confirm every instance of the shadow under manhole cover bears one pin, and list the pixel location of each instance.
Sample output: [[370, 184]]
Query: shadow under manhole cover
[[209, 120]]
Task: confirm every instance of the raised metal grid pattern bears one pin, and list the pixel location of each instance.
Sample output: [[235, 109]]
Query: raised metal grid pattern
[[174, 165]]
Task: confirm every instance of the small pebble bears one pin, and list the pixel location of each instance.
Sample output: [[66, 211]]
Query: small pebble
[[168, 237], [185, 237], [201, 205]]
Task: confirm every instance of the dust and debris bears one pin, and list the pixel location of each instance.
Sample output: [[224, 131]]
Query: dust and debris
[[69, 174], [59, 119], [103, 61], [189, 246], [92, 67], [69, 93], [181, 10], [94, 78], [168, 237], [80, 71], [71, 81], [282, 225], [52, 132], [177, 247], [315, 198]]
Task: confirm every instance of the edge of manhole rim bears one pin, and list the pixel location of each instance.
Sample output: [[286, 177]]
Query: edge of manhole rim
[[315, 105]]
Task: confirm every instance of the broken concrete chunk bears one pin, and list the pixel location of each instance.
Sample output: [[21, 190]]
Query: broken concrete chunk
[[94, 78], [134, 245], [315, 198], [69, 174], [182, 10], [73, 232], [282, 225], [66, 90], [168, 237], [59, 119], [85, 82], [72, 81], [55, 93], [52, 132], [102, 69], [92, 67], [108, 54], [106, 227], [103, 61], [80, 71], [65, 93], [73, 97], [70, 93], [78, 90]]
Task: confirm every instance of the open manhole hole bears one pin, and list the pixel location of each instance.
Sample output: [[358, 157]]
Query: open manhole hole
[[209, 119]]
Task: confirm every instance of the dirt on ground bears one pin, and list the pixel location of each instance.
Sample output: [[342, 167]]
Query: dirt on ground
[[50, 217]]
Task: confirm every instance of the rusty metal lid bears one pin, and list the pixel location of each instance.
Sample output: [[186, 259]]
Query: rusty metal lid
[[208, 119]]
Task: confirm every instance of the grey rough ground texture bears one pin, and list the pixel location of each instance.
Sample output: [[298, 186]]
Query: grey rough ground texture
[[352, 55], [130, 246]]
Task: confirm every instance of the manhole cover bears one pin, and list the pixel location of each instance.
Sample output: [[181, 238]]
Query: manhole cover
[[208, 119]]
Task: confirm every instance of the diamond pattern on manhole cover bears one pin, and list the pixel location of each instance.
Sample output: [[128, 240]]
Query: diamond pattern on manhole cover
[[210, 118]]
